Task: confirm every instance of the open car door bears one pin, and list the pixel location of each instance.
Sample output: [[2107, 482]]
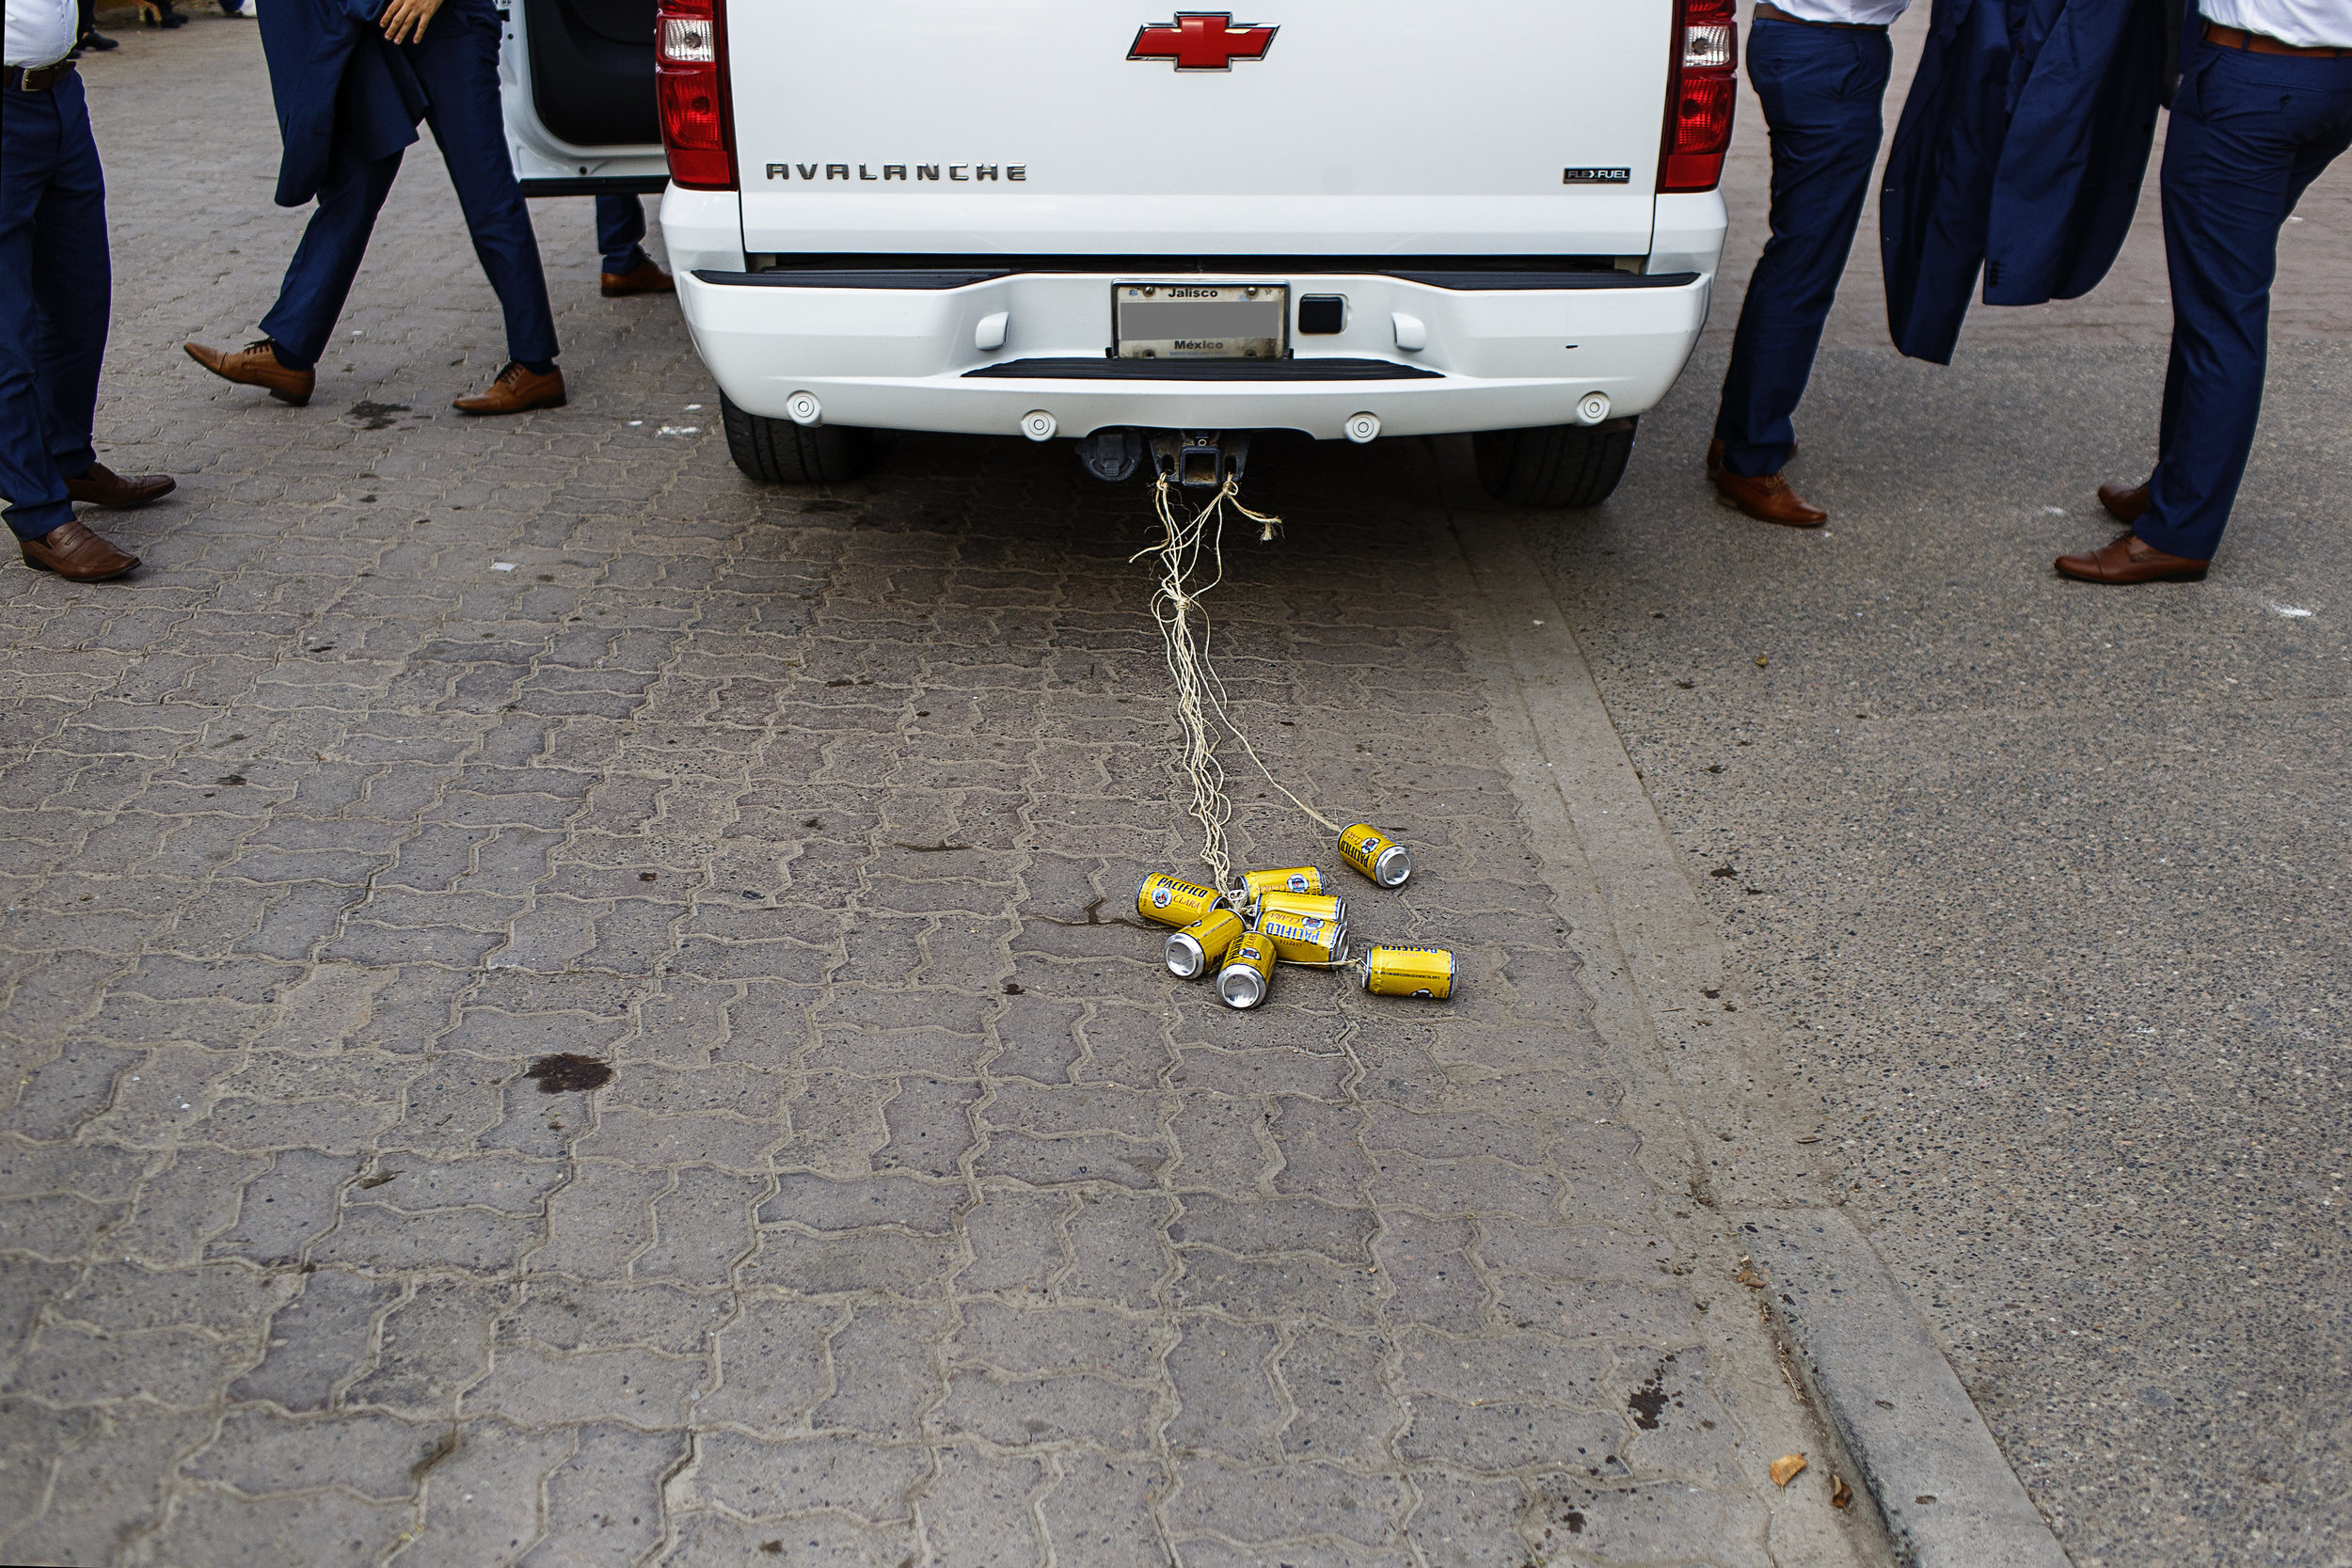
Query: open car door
[[577, 80]]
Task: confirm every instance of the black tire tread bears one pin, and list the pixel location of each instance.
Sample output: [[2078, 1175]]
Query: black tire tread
[[777, 452], [1556, 465]]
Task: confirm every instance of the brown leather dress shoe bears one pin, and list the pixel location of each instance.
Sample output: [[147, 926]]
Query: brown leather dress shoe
[[643, 278], [2125, 504], [2130, 560], [517, 390], [255, 365], [103, 486], [1768, 499], [77, 554]]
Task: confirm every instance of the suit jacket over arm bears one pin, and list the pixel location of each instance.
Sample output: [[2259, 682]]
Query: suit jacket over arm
[[2021, 150], [335, 79]]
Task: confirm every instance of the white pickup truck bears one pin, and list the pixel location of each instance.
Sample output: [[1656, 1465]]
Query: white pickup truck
[[1048, 218]]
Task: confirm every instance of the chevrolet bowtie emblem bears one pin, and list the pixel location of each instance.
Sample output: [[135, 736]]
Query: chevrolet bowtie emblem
[[1202, 40]]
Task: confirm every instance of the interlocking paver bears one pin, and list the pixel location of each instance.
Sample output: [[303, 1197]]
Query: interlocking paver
[[429, 1348], [604, 1502], [481, 1498]]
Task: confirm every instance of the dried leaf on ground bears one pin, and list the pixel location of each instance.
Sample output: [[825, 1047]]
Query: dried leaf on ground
[[1840, 1495], [1787, 1468]]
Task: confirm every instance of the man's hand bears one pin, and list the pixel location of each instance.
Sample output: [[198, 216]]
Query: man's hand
[[407, 17]]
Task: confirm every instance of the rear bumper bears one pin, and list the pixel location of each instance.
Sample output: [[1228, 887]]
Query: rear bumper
[[905, 358]]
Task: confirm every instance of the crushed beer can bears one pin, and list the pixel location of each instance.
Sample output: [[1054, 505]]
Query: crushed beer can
[[1248, 972], [1298, 878], [1172, 901], [1304, 939], [1377, 855], [1423, 972], [1200, 948]]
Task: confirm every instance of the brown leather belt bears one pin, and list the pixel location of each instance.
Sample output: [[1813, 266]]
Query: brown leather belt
[[39, 78], [2263, 43], [1766, 11]]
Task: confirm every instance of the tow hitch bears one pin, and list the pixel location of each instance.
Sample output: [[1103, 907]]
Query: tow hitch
[[1200, 459], [1193, 459]]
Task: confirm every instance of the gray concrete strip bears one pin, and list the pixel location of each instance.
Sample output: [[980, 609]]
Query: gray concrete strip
[[1946, 1498], [1743, 1108], [1752, 1373], [1895, 1416], [1806, 1527]]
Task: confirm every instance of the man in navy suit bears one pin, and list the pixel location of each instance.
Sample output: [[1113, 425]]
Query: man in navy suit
[[2265, 106], [351, 78], [56, 286], [1821, 68], [620, 236]]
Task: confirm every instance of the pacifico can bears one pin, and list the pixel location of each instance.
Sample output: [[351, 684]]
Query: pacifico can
[[1426, 971], [1199, 949], [1174, 902], [1323, 905], [1304, 939], [1248, 972], [1298, 878], [1377, 856]]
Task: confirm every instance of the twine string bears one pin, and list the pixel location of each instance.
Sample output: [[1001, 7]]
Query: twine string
[[1191, 561]]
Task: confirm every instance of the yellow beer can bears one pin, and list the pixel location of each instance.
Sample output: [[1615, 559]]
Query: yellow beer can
[[1172, 901], [1425, 971], [1200, 948], [1377, 855], [1304, 939], [1298, 878], [1248, 972], [1323, 905]]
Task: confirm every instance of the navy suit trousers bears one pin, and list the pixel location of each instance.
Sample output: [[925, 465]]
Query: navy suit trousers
[[620, 227], [56, 289], [2250, 132], [1821, 88], [457, 63]]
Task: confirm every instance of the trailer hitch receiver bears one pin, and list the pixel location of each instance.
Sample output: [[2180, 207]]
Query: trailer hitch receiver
[[1200, 459]]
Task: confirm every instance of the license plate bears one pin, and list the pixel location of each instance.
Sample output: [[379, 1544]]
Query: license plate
[[1201, 321]]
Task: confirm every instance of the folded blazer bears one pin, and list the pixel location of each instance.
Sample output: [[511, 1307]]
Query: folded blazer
[[2021, 151]]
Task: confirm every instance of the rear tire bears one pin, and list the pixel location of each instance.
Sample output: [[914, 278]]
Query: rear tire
[[1556, 465], [778, 452]]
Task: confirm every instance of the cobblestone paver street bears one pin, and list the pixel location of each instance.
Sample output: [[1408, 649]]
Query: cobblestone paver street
[[924, 1218]]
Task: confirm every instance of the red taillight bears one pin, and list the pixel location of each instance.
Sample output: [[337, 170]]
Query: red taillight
[[691, 82], [1703, 96]]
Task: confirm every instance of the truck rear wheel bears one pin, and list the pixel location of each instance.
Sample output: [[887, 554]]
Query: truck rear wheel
[[782, 453], [1556, 465]]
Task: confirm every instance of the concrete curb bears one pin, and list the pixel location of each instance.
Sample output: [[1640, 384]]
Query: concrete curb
[[1945, 1495], [1880, 1382]]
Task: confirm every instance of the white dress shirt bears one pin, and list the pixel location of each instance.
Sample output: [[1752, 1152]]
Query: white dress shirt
[[1868, 13], [40, 31], [2306, 23]]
